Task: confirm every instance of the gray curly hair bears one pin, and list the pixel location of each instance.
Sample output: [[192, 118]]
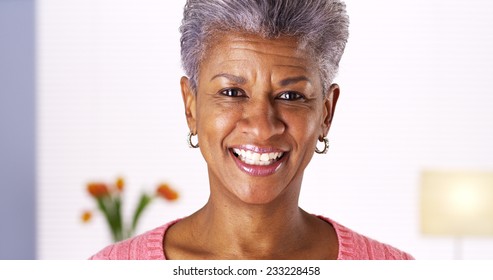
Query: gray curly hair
[[319, 25]]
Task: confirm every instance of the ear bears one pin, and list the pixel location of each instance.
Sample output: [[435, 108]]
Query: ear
[[330, 106], [189, 100]]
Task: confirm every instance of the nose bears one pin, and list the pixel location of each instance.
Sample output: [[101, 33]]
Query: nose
[[261, 120]]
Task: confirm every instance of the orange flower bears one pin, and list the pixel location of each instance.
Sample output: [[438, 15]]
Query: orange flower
[[97, 189], [86, 216], [165, 191], [120, 184]]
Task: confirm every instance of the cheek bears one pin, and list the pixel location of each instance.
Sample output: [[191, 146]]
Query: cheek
[[303, 126], [214, 122]]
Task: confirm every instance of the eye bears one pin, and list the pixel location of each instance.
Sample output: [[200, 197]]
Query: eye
[[290, 95], [232, 92]]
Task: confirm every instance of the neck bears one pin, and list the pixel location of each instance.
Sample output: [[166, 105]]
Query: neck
[[252, 231]]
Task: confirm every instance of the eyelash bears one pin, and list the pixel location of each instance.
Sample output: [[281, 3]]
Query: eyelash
[[240, 93]]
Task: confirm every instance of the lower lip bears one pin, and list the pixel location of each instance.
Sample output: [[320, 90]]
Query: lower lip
[[258, 170]]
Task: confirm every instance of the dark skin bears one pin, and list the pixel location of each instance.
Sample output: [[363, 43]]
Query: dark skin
[[265, 94]]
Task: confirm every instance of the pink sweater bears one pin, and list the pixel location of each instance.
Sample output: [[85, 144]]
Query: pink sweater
[[352, 246]]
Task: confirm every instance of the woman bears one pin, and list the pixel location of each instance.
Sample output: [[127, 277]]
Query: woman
[[258, 98]]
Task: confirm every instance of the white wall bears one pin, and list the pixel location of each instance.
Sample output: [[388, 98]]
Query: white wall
[[416, 94]]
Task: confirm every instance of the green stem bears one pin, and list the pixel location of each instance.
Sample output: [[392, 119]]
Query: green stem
[[105, 207], [117, 202], [144, 201]]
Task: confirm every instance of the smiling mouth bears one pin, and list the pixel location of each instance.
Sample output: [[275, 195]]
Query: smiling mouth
[[253, 158]]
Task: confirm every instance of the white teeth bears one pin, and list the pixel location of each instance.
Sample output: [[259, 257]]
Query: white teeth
[[264, 157], [253, 158], [256, 156]]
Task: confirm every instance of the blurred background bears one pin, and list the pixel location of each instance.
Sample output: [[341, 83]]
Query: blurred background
[[89, 92]]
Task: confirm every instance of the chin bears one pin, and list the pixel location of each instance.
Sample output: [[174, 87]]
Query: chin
[[257, 195]]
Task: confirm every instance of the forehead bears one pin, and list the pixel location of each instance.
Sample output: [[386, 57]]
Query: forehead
[[235, 48]]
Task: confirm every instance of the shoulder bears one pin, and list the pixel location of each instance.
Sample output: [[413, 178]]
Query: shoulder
[[146, 246], [355, 246]]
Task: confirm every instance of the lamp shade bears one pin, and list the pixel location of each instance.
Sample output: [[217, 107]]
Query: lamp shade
[[457, 203]]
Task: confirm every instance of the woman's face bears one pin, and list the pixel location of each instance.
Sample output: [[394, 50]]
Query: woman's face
[[258, 112]]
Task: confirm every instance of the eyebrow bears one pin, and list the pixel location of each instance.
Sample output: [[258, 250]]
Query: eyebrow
[[293, 80], [241, 80], [235, 79]]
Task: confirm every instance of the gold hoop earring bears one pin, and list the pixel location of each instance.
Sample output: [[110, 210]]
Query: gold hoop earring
[[189, 141], [325, 140]]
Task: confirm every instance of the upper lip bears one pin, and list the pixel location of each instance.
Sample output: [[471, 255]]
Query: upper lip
[[258, 149]]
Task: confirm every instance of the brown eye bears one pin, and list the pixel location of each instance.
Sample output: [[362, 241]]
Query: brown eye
[[232, 92], [290, 95]]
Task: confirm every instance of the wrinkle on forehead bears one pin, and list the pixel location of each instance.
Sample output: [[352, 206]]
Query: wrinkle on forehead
[[273, 52], [274, 46], [288, 56], [282, 44]]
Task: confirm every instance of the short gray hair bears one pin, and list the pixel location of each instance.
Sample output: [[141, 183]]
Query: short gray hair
[[321, 25]]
